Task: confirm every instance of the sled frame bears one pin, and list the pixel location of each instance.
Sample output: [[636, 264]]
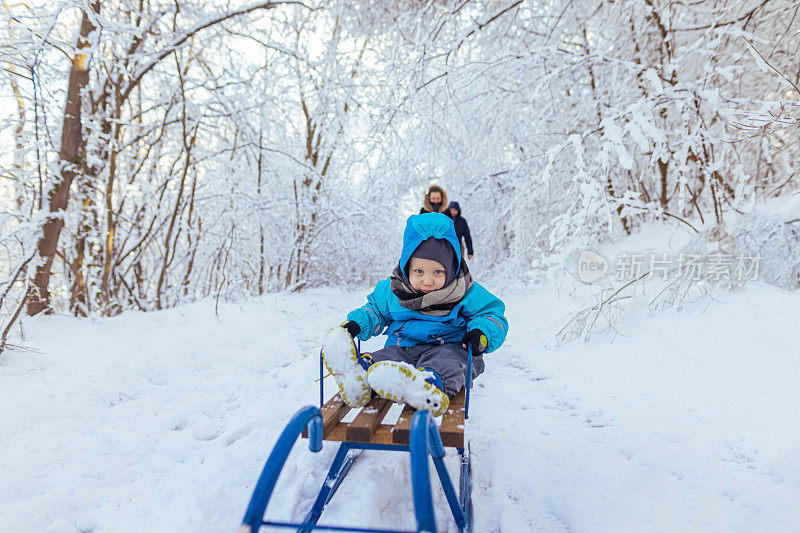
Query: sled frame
[[415, 432]]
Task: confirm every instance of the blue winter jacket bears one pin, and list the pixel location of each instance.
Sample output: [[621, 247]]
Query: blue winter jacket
[[405, 327]]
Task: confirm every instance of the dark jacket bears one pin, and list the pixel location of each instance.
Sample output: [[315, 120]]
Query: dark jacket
[[462, 228]]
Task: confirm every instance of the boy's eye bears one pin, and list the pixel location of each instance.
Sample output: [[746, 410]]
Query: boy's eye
[[418, 271], [438, 272]]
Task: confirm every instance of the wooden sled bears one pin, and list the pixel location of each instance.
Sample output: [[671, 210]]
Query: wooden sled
[[414, 432]]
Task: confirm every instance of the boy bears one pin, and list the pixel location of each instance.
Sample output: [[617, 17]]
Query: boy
[[430, 309]]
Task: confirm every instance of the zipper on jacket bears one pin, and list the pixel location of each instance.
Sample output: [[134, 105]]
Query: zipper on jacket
[[397, 334], [435, 337]]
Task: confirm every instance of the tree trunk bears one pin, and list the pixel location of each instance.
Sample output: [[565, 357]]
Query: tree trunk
[[78, 303], [261, 259], [108, 259], [193, 237], [19, 141], [72, 147], [189, 140]]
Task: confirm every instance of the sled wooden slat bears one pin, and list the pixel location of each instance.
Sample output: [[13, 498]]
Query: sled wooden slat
[[382, 435], [402, 429], [332, 413], [367, 426], [452, 428], [368, 420]]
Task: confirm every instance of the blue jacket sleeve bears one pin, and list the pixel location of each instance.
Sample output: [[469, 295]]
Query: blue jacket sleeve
[[486, 312], [372, 317]]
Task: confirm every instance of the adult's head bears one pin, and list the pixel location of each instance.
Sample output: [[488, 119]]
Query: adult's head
[[435, 200], [455, 209]]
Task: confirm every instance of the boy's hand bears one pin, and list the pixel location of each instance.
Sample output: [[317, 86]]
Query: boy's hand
[[352, 328], [477, 339]]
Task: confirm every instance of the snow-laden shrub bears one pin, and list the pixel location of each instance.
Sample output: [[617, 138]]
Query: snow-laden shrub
[[711, 261], [775, 241]]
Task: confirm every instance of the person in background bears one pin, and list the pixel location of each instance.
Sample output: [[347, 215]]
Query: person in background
[[435, 201], [462, 228]]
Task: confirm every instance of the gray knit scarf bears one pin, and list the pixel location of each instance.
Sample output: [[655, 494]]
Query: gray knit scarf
[[437, 303]]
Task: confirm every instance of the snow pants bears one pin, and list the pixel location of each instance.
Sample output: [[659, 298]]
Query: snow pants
[[447, 360]]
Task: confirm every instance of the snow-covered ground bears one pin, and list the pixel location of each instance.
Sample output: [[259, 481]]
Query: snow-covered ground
[[162, 421]]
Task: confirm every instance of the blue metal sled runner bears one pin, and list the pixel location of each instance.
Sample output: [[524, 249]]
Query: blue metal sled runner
[[414, 432]]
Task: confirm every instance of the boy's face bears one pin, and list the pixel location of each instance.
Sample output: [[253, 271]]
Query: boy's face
[[425, 275]]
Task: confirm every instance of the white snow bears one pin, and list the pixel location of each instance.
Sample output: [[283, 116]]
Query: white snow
[[162, 421]]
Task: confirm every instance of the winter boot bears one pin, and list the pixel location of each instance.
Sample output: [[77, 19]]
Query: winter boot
[[401, 382], [341, 359]]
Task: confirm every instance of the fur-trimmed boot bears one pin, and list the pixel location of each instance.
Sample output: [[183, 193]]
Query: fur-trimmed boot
[[341, 359], [401, 382]]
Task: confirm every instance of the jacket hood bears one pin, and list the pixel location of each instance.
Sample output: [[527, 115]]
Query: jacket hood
[[425, 226], [454, 205]]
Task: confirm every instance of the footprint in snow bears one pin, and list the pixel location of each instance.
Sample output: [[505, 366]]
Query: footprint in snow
[[239, 433], [207, 431]]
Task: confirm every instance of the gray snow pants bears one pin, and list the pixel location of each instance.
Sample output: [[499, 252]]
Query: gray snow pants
[[447, 360]]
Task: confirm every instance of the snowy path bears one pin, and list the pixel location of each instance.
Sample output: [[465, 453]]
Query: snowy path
[[162, 421]]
